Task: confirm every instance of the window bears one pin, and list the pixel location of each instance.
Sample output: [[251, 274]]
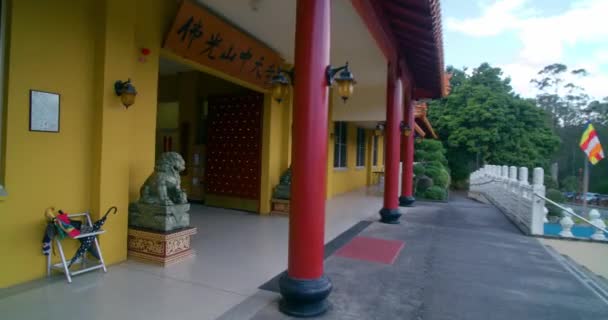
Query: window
[[360, 147], [375, 151], [340, 135]]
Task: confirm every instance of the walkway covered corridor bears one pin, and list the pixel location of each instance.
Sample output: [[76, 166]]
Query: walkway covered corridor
[[236, 252], [460, 260]]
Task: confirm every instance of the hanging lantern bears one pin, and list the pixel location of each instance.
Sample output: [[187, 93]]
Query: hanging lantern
[[345, 82]]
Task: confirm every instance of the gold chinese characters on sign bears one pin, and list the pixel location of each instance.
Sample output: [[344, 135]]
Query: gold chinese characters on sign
[[202, 37]]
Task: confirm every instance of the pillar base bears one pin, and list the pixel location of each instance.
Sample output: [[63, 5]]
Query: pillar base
[[304, 298], [390, 216], [406, 201]]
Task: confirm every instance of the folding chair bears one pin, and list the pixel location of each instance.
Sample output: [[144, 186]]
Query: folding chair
[[63, 265]]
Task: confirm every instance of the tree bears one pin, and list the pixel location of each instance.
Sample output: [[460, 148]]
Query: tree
[[565, 109], [597, 111], [482, 118], [570, 108]]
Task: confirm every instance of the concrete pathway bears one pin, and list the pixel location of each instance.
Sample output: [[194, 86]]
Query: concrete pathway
[[461, 260]]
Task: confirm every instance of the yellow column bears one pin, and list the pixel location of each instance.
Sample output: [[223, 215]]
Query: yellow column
[[273, 148], [110, 179]]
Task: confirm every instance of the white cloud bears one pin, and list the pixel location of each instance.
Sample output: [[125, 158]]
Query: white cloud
[[595, 84], [495, 19], [544, 38]]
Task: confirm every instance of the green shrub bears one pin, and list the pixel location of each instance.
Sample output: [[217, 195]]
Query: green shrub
[[557, 196], [432, 172], [423, 183], [431, 145], [419, 169], [420, 155], [550, 183], [442, 179], [569, 183], [434, 164], [435, 193]]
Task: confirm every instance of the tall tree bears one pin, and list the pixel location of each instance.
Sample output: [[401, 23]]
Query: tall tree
[[563, 100], [483, 119]]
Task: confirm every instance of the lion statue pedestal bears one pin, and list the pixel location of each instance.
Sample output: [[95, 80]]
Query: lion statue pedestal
[[159, 223]]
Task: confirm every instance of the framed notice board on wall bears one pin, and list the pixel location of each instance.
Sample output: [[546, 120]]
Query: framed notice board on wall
[[44, 111]]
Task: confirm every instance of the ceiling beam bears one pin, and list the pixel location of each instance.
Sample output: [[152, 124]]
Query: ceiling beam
[[400, 24], [408, 13]]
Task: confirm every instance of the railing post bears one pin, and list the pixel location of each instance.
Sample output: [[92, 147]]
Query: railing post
[[598, 223], [538, 204], [566, 222], [512, 176], [513, 194], [523, 181]]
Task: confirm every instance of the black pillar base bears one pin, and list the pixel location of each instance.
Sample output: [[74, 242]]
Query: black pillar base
[[406, 201], [390, 216], [304, 298]]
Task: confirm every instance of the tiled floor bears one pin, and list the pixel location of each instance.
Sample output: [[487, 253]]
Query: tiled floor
[[236, 253]]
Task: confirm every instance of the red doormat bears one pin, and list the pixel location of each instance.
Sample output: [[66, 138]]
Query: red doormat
[[372, 249]]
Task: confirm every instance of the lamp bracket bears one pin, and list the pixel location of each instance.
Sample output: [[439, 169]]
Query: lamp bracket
[[119, 86], [330, 73]]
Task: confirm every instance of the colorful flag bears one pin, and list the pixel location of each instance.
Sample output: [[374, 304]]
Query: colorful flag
[[590, 144]]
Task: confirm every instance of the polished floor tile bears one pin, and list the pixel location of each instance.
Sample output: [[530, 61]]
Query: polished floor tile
[[236, 252]]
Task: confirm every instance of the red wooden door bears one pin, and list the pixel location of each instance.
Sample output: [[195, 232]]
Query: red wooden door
[[234, 145]]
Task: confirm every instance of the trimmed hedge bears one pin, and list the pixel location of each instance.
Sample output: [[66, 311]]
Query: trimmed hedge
[[424, 183], [435, 193]]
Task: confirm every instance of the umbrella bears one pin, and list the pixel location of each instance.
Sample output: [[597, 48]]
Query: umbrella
[[87, 242]]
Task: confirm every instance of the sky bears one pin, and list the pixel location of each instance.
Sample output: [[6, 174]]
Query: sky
[[523, 36]]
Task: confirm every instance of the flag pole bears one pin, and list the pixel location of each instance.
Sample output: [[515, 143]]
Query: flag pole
[[585, 186]]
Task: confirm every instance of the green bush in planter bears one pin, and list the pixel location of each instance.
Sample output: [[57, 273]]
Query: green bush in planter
[[557, 196], [435, 193]]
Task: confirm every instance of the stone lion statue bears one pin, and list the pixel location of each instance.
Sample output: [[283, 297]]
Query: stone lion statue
[[163, 186]]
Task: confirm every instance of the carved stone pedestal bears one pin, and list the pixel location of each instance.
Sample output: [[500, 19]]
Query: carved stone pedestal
[[280, 206], [158, 217], [162, 248]]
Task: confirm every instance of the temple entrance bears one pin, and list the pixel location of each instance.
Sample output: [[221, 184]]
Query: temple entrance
[[216, 126], [234, 150]]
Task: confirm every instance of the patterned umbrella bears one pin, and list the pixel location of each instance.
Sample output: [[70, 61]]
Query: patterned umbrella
[[87, 242]]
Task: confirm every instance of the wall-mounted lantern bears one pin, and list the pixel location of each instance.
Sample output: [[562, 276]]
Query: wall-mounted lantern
[[280, 84], [126, 91], [344, 80], [405, 129], [379, 129]]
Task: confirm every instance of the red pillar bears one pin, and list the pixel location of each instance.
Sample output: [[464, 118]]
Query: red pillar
[[304, 287], [394, 116], [407, 176]]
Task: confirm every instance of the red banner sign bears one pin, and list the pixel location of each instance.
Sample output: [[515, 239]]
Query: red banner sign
[[202, 37]]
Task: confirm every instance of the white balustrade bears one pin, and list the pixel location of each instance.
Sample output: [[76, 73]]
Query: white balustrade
[[509, 189], [596, 220]]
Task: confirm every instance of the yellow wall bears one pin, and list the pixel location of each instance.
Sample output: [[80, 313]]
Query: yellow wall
[[46, 168], [276, 147], [342, 180], [103, 152]]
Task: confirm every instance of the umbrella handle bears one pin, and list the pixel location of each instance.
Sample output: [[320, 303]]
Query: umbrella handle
[[110, 210]]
